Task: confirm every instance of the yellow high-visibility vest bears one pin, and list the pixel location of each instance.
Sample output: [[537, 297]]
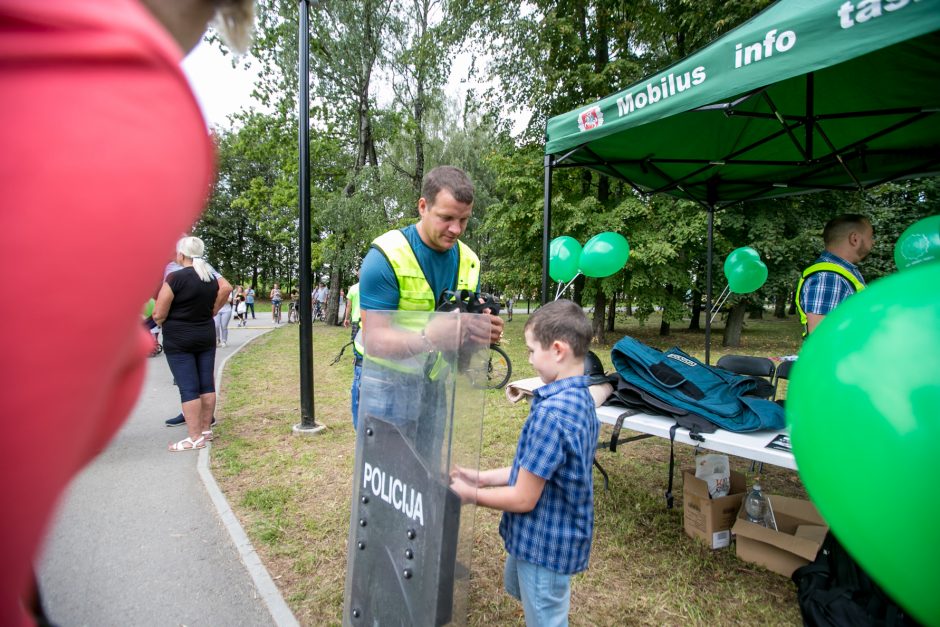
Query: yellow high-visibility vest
[[823, 266], [415, 293], [352, 301]]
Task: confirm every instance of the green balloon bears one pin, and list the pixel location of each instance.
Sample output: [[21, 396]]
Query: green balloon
[[919, 243], [564, 253], [864, 414], [742, 255], [604, 254], [746, 275], [148, 308]]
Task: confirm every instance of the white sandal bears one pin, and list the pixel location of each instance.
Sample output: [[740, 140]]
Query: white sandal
[[207, 436], [188, 445]]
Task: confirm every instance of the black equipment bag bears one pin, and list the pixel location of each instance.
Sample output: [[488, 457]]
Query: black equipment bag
[[634, 397], [834, 591]]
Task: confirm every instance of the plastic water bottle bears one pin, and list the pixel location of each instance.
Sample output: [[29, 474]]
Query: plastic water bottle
[[755, 506]]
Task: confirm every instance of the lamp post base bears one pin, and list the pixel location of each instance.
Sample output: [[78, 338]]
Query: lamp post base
[[304, 430]]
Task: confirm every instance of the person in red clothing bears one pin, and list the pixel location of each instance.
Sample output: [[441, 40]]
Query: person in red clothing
[[106, 160]]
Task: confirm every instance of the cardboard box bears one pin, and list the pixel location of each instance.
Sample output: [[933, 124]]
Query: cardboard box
[[706, 518], [800, 533]]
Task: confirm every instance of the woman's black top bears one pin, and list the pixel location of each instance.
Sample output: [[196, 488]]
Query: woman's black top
[[189, 327]]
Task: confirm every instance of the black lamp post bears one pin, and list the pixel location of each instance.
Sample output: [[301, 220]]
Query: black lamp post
[[307, 422]]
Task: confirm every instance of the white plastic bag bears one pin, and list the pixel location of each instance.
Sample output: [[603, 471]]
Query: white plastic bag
[[715, 471]]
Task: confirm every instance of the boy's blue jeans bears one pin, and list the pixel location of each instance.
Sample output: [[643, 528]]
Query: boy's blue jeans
[[545, 594]]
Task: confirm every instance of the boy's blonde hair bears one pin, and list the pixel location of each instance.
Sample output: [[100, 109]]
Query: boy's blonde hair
[[561, 320]]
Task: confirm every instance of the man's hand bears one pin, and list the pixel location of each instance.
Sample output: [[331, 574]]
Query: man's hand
[[477, 330], [346, 322], [496, 330]]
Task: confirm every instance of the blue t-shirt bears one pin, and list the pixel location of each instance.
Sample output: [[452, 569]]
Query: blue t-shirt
[[378, 287], [557, 443]]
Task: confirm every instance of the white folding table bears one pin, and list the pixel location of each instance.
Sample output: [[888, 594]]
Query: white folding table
[[753, 445]]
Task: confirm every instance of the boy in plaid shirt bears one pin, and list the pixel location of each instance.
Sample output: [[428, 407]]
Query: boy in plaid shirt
[[547, 494]]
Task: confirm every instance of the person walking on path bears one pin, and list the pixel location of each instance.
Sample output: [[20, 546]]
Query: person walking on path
[[222, 320], [241, 311], [834, 276], [250, 301], [185, 307]]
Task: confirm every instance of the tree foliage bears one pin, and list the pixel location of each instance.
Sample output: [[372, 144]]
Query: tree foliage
[[381, 117]]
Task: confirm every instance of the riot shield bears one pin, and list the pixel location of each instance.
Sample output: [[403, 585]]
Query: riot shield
[[420, 415]]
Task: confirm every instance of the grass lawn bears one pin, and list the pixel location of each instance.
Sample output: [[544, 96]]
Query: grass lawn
[[292, 494]]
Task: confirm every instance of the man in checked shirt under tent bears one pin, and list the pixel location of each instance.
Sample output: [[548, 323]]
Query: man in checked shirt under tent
[[833, 277]]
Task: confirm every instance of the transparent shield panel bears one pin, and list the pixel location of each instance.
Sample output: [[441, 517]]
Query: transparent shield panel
[[420, 417]]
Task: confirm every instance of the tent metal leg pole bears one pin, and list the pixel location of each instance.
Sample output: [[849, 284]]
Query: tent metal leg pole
[[708, 285], [546, 225]]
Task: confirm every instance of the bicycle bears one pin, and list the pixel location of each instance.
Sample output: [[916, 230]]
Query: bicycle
[[276, 309], [318, 312], [498, 368], [293, 314]]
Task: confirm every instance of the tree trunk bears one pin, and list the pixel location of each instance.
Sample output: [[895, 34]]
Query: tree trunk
[[420, 80], [791, 298], [755, 312], [734, 325], [419, 140], [664, 324], [597, 322], [612, 313], [780, 305], [695, 323]]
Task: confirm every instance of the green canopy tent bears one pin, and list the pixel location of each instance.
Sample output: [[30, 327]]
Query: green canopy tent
[[808, 95]]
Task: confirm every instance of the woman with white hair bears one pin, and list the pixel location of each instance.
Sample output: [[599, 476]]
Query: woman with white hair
[[185, 308]]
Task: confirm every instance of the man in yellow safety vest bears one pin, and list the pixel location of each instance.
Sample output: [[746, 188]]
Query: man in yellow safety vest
[[408, 269], [834, 276], [352, 318]]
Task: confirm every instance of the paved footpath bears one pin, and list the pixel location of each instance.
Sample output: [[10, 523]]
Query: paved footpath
[[144, 537]]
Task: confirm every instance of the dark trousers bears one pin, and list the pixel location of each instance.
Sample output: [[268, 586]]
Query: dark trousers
[[194, 373]]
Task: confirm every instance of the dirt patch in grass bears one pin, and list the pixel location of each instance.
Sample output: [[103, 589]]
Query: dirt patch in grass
[[292, 495]]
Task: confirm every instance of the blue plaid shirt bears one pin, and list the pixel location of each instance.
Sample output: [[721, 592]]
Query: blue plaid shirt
[[557, 443], [822, 291]]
